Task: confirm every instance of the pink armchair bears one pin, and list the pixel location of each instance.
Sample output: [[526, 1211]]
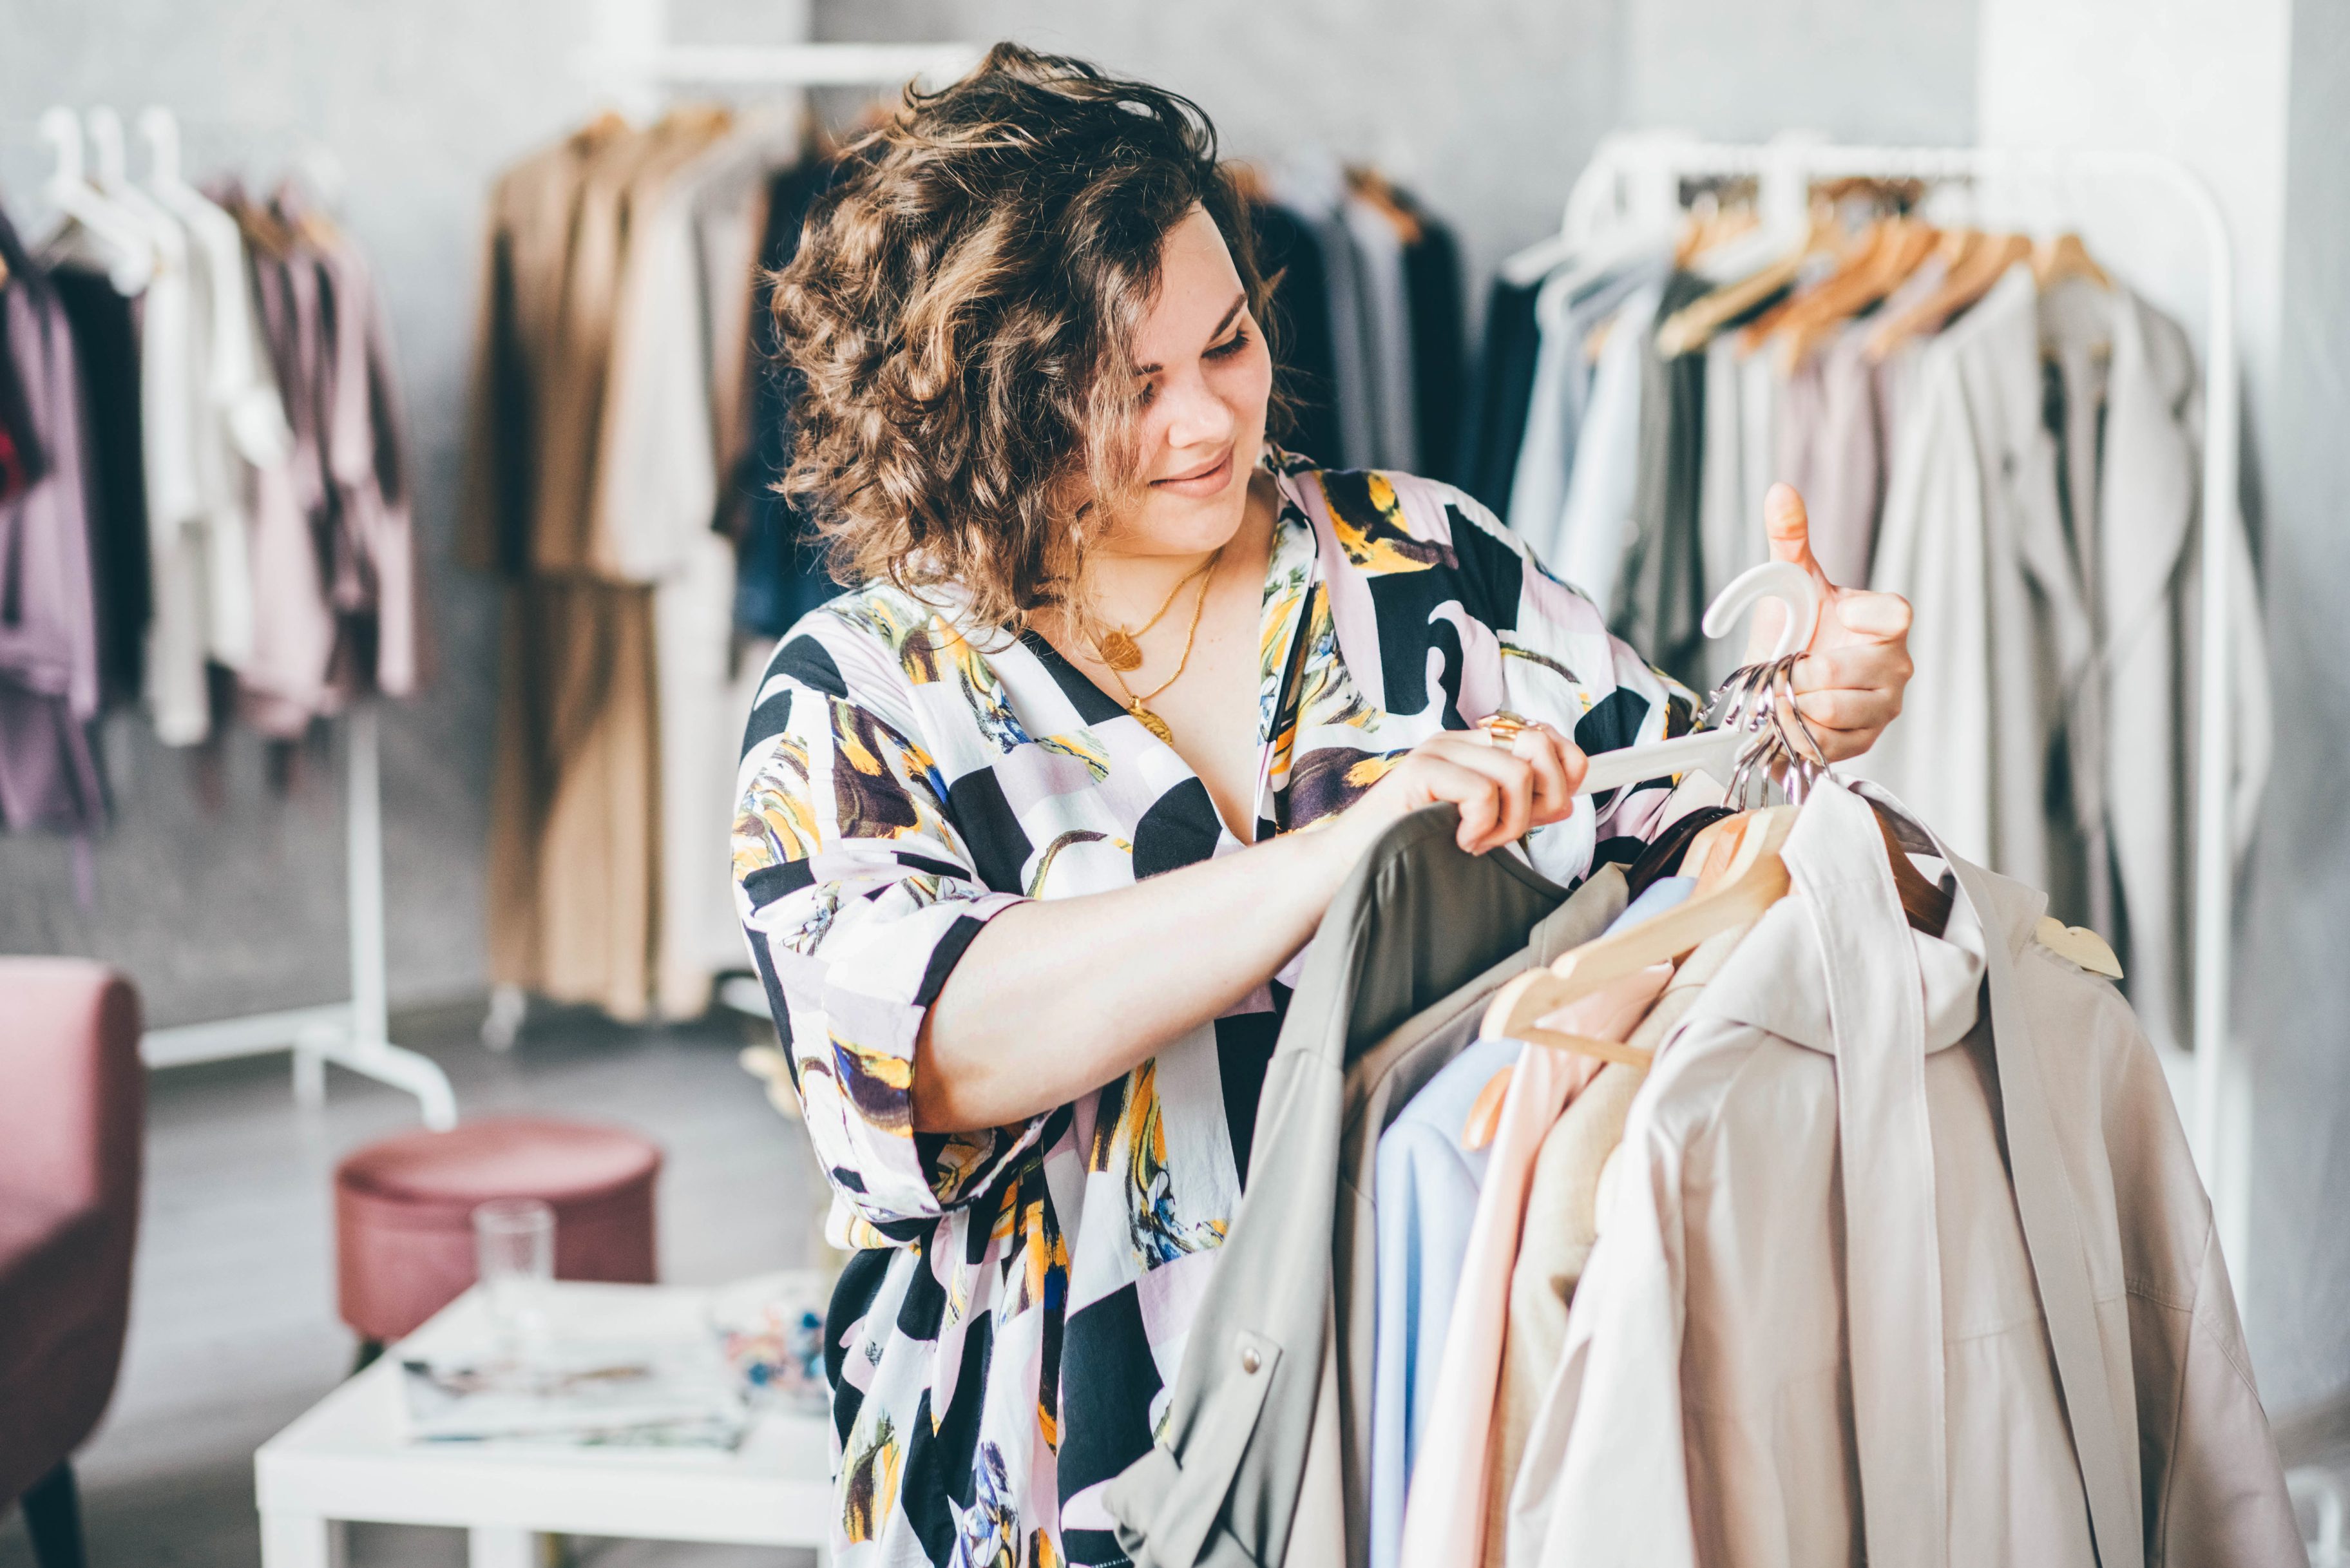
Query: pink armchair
[[73, 1103]]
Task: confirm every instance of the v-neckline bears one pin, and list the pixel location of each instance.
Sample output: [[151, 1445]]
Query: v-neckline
[[1288, 573]]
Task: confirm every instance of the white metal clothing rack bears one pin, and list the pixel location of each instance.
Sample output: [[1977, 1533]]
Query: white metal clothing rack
[[1636, 178], [354, 1034]]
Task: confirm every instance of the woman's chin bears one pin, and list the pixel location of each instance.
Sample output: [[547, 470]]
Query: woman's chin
[[1181, 525]]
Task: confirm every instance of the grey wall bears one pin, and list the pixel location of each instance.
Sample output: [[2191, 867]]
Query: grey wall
[[2299, 892], [224, 910], [1892, 71], [1488, 107]]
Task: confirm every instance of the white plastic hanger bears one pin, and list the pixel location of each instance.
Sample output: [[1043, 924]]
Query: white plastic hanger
[[110, 173], [130, 261], [1715, 751], [160, 127]]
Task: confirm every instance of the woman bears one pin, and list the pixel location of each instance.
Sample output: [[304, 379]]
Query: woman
[[1018, 845]]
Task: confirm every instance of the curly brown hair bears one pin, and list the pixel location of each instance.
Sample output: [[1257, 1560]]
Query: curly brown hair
[[959, 314]]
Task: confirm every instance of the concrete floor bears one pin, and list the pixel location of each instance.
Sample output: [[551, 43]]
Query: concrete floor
[[232, 1326]]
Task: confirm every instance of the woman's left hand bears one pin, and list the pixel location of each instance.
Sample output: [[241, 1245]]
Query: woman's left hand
[[1848, 686]]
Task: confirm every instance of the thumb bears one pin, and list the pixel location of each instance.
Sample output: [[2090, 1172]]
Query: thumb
[[1790, 530]]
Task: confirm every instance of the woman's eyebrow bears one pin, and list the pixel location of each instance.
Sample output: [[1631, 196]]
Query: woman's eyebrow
[[1230, 311]]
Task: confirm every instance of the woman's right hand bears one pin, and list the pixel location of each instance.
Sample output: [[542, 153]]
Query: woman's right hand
[[1503, 792]]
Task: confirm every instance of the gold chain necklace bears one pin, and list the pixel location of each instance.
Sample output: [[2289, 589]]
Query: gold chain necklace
[[1122, 650], [1139, 706]]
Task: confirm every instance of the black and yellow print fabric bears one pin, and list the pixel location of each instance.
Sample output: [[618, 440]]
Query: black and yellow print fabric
[[1007, 1350]]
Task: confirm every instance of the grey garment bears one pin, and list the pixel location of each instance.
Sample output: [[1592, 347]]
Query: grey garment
[[1730, 533], [1835, 440], [1567, 311], [1415, 921], [1387, 333], [1379, 1083], [1351, 368], [2130, 468], [1664, 578]]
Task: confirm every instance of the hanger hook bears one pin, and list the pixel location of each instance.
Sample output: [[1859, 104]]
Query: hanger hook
[[160, 127], [106, 147], [61, 129], [1781, 580]]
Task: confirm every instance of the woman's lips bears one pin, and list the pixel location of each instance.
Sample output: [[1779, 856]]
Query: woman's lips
[[1208, 480]]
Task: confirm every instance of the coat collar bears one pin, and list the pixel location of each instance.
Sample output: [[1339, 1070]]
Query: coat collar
[[1775, 981]]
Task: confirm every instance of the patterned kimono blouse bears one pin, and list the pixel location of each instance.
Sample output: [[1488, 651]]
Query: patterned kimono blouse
[[1010, 1344]]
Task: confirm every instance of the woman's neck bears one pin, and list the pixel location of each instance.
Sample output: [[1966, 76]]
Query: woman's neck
[[1123, 590]]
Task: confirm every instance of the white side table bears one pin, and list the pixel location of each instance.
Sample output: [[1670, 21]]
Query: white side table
[[347, 1458]]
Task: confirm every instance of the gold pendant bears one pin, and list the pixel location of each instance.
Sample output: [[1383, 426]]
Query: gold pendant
[[1119, 651], [1151, 722]]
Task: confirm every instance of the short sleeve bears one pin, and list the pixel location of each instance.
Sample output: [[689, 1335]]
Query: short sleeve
[[1561, 665], [859, 896]]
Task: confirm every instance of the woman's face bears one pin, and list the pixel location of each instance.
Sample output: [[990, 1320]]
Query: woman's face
[[1207, 377]]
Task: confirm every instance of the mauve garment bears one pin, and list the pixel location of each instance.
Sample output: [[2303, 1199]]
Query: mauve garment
[[48, 613]]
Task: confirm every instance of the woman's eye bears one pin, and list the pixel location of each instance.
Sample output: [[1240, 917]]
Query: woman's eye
[[1229, 346]]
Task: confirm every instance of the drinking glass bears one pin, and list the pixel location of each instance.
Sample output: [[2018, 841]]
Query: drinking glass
[[513, 1243]]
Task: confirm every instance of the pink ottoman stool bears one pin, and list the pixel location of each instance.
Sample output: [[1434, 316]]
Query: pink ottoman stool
[[404, 1212]]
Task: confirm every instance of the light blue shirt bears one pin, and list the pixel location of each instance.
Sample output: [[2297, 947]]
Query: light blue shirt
[[1425, 1186]]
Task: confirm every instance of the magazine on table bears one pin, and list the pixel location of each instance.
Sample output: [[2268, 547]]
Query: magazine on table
[[634, 1394]]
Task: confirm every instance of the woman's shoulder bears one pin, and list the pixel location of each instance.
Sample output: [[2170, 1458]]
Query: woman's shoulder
[[875, 646], [846, 647], [1388, 523]]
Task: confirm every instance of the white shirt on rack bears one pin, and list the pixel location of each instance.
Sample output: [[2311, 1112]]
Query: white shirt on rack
[[1595, 527]]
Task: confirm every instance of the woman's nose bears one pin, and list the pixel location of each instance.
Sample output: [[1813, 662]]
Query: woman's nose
[[1196, 416]]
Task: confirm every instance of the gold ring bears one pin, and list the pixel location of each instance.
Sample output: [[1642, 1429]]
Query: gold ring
[[1504, 729]]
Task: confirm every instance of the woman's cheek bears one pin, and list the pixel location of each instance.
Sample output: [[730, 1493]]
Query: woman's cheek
[[1248, 386]]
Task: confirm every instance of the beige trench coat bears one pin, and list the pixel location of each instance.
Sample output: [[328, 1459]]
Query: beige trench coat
[[1821, 1325]]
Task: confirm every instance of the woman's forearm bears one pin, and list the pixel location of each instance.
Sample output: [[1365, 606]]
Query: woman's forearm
[[1060, 996]]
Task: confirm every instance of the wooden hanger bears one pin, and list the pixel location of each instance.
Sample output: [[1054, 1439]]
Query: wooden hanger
[[1755, 880], [1694, 324], [1927, 906], [1712, 846], [1709, 226], [1856, 253], [2079, 945], [1687, 243], [607, 124], [2054, 261], [1484, 1118], [1985, 264], [1372, 187], [1247, 181], [1904, 251], [1709, 858]]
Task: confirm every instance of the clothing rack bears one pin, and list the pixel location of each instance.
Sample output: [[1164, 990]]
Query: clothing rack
[[354, 1034], [1636, 178], [630, 59]]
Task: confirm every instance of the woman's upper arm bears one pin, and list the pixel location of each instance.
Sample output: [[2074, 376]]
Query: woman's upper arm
[[858, 896]]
